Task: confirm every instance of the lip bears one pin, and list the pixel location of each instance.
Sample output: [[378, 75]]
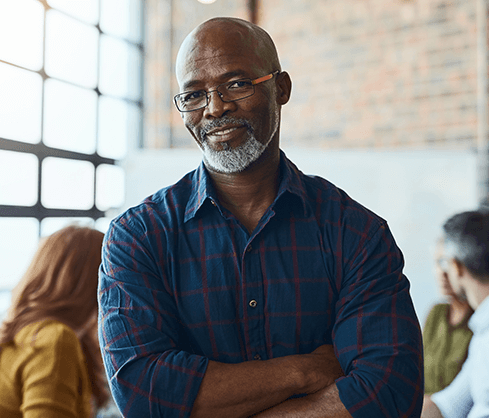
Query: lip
[[223, 133]]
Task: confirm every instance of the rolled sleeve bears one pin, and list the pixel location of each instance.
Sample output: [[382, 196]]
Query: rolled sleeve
[[377, 335], [140, 336]]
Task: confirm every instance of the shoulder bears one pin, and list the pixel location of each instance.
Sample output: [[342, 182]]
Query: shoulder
[[437, 312], [437, 316], [160, 207], [335, 206], [48, 334]]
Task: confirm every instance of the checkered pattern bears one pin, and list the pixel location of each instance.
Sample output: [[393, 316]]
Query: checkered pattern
[[182, 281]]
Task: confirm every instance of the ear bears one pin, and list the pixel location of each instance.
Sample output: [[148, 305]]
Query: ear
[[459, 268], [284, 88]]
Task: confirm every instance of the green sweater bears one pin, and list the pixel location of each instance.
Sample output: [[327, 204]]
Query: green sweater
[[445, 348]]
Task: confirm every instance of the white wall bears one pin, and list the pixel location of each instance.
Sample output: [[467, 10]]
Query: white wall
[[415, 191]]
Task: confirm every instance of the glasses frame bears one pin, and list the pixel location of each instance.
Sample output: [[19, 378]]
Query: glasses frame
[[254, 82]]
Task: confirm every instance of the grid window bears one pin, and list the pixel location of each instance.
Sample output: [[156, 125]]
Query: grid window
[[18, 178], [22, 20], [71, 50], [70, 117], [20, 104], [70, 107]]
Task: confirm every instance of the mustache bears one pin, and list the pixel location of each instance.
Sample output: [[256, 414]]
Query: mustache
[[225, 120]]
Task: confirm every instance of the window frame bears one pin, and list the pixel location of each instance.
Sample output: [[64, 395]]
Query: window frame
[[42, 151]]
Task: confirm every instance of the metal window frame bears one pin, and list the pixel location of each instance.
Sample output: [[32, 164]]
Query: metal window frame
[[42, 151]]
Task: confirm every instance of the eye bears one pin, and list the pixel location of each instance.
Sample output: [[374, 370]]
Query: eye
[[192, 96], [240, 84]]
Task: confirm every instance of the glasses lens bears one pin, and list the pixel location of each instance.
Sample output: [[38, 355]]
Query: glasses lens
[[191, 100], [236, 90]]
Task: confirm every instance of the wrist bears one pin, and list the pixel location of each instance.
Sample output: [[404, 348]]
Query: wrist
[[304, 379]]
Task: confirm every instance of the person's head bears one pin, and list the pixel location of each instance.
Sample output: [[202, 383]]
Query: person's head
[[466, 247], [61, 281], [233, 134]]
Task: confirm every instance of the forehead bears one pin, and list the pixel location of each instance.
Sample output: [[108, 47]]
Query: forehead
[[209, 55]]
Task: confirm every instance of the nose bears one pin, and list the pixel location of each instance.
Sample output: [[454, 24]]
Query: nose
[[216, 108]]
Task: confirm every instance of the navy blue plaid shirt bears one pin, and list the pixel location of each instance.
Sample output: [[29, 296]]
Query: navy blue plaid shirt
[[182, 281]]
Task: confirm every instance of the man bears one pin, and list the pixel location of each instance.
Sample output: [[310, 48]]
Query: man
[[232, 292], [467, 265]]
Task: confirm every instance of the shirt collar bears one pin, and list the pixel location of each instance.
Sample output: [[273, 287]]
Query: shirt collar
[[479, 321], [202, 188], [201, 191]]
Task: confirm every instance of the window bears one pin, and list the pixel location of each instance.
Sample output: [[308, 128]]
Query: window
[[70, 107]]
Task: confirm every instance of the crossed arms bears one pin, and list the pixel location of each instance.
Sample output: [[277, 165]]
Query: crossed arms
[[245, 389]]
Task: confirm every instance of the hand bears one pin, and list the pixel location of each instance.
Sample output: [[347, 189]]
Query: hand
[[320, 368]]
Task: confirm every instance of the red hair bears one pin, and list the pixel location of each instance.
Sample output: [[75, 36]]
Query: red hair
[[61, 284]]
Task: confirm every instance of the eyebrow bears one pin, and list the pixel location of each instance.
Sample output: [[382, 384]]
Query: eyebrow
[[225, 76]]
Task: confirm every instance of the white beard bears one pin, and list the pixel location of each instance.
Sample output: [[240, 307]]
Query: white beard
[[233, 160]]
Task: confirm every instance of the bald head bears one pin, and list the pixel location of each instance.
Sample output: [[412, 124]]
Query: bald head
[[225, 35]]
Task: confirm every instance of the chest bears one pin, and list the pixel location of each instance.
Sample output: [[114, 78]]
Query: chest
[[273, 289]]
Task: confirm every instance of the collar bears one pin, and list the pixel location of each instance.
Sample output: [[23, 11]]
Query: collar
[[479, 321], [203, 190]]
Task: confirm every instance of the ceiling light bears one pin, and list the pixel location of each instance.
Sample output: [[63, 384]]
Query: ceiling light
[[207, 1]]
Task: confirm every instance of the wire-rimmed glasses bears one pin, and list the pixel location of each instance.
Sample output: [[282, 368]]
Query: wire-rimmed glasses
[[228, 92]]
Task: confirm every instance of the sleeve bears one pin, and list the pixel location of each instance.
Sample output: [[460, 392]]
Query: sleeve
[[455, 400], [377, 336], [139, 330], [51, 378]]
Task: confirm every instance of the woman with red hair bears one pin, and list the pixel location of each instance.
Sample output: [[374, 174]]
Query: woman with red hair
[[50, 361]]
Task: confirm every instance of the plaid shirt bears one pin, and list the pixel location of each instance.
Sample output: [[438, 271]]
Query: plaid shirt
[[182, 282]]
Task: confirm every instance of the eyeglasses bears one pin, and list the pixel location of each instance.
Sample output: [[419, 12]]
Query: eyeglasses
[[228, 92], [443, 263]]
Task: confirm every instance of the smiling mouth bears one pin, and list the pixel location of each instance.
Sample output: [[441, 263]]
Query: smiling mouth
[[225, 134]]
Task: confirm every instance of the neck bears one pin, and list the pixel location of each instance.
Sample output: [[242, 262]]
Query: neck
[[477, 293], [458, 310], [248, 194]]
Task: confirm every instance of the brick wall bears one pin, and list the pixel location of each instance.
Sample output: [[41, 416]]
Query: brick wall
[[366, 73], [376, 73]]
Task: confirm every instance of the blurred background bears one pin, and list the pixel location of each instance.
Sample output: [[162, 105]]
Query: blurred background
[[389, 102]]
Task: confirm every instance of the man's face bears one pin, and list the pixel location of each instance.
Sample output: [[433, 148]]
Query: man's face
[[456, 280], [441, 271], [231, 135]]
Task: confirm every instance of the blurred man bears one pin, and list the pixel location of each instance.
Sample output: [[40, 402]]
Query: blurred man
[[467, 257], [232, 292]]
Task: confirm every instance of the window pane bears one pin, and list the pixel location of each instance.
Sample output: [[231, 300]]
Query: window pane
[[22, 32], [67, 184], [71, 50], [51, 225], [20, 104], [102, 224], [120, 68], [110, 187], [86, 10], [20, 237], [122, 18], [119, 125], [70, 117], [18, 178]]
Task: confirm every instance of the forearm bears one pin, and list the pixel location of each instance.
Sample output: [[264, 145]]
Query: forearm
[[240, 390], [244, 389], [325, 403]]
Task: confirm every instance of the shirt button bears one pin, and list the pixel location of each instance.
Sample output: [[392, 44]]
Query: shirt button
[[249, 248], [253, 303], [257, 357]]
